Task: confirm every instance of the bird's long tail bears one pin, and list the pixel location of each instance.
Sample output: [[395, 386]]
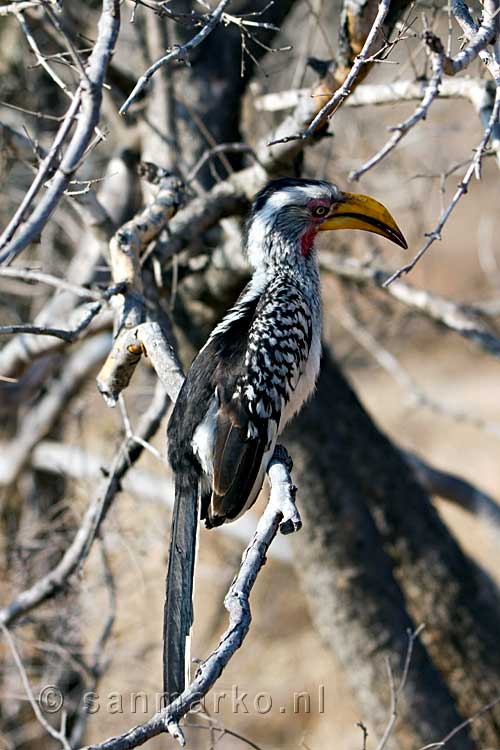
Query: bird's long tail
[[178, 615]]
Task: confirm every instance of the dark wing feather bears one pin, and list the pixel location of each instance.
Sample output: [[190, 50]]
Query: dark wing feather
[[237, 461]]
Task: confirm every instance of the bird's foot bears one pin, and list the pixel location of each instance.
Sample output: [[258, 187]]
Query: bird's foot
[[175, 731], [283, 490], [292, 521]]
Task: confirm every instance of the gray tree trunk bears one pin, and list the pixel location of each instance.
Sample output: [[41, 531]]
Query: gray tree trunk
[[376, 559]]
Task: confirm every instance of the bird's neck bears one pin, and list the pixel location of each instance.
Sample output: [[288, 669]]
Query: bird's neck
[[295, 261], [290, 267]]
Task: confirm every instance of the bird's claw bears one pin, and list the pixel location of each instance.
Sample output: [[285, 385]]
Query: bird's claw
[[292, 521], [175, 731], [279, 470]]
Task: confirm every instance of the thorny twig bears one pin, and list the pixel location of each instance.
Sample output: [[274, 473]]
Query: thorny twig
[[179, 53], [343, 92], [90, 109], [473, 169], [431, 91]]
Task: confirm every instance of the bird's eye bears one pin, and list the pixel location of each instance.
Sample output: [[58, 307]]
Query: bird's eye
[[319, 211]]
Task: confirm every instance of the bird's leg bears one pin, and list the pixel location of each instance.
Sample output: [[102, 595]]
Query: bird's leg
[[283, 490]]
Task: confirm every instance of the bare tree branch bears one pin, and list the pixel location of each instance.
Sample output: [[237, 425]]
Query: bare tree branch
[[91, 97], [78, 551], [328, 109], [43, 415], [378, 94], [474, 168], [463, 319], [455, 489], [125, 249], [180, 53], [281, 513], [59, 735], [431, 91], [396, 691]]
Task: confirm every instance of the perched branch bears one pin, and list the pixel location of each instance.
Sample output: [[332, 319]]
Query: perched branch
[[280, 513]]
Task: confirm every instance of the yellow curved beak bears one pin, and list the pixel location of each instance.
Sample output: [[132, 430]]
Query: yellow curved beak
[[356, 211]]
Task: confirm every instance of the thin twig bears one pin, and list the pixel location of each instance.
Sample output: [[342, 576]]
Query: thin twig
[[91, 98], [431, 91], [473, 169], [396, 692], [181, 52], [60, 735], [45, 171], [29, 275], [463, 725], [77, 552], [343, 92]]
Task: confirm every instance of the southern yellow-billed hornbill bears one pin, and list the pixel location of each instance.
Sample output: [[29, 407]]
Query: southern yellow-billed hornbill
[[257, 368]]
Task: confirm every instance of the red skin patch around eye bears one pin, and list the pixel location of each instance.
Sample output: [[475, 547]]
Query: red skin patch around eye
[[315, 202], [307, 239]]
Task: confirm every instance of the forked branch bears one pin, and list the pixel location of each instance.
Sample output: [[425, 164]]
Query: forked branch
[[281, 513]]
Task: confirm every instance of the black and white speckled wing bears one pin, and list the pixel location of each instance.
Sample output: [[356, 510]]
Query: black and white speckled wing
[[250, 416], [278, 349]]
